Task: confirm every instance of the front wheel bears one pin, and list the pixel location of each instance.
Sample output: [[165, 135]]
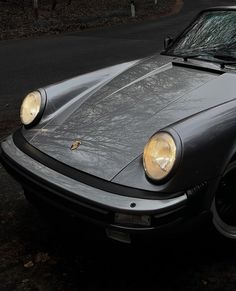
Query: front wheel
[[224, 203]]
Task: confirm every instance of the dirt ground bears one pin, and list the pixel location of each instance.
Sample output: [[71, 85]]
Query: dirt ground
[[17, 18], [36, 255]]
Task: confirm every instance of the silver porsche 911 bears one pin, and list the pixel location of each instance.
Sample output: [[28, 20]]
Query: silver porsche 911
[[142, 146]]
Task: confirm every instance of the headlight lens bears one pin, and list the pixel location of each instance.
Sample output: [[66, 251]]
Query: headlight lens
[[30, 107], [159, 156]]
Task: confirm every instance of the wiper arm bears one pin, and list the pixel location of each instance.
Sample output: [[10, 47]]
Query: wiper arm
[[193, 56], [223, 60], [224, 57], [227, 60]]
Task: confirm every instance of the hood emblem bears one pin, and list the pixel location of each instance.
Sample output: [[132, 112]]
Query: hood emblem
[[75, 145]]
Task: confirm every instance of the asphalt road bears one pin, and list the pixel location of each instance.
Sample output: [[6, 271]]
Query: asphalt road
[[64, 260]]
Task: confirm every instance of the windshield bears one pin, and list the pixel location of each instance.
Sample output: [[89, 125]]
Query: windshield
[[213, 32]]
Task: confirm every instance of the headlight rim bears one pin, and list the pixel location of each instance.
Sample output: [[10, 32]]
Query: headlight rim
[[41, 110], [179, 150]]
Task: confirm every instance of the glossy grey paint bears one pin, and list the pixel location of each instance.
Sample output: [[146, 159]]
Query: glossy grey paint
[[115, 111], [66, 94], [115, 122]]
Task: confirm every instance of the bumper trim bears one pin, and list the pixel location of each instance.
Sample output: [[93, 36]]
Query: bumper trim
[[83, 193]]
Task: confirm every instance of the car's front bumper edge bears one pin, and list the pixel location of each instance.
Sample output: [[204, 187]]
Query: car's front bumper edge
[[95, 205]]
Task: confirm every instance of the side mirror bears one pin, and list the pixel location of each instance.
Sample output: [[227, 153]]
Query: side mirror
[[167, 42]]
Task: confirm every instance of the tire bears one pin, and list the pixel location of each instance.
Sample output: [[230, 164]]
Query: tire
[[224, 203]]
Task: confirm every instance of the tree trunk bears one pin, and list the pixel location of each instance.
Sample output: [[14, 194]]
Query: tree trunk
[[36, 6], [54, 4]]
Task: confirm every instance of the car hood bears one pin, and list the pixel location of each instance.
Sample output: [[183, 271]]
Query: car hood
[[115, 120]]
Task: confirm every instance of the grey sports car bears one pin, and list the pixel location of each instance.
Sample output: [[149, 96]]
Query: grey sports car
[[142, 146]]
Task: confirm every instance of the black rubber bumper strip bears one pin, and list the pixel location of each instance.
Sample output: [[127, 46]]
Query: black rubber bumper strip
[[44, 192]]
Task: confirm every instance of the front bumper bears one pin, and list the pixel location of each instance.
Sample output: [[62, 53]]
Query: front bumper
[[89, 203]]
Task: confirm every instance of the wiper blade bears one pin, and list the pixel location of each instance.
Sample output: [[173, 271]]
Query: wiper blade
[[225, 60], [224, 57]]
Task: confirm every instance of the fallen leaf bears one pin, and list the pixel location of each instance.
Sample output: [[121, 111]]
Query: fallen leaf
[[30, 264]]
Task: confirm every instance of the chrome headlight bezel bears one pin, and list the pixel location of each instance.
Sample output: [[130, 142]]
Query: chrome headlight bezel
[[39, 114], [178, 154]]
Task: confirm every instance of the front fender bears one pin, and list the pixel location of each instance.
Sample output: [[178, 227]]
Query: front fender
[[208, 144], [64, 94]]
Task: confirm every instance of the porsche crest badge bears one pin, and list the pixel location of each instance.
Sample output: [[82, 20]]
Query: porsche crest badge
[[75, 145]]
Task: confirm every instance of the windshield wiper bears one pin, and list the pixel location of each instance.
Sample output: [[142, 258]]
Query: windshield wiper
[[193, 56], [224, 57], [227, 60], [221, 59]]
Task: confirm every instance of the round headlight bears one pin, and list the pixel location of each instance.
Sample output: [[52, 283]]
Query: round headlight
[[30, 107], [159, 156]]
